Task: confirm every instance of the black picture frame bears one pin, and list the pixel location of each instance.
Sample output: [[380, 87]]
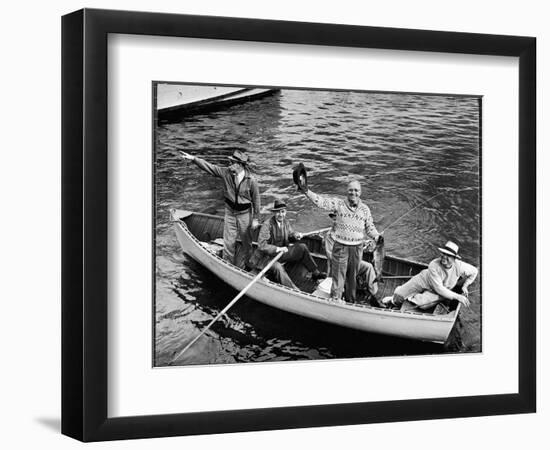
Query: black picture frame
[[84, 224]]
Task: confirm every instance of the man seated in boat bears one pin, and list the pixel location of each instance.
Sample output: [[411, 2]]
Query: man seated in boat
[[352, 222], [366, 275], [242, 204], [276, 235], [437, 283]]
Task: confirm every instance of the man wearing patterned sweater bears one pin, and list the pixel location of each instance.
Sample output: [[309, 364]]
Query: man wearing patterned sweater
[[353, 220]]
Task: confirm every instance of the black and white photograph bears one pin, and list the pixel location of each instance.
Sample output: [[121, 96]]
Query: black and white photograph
[[310, 224], [275, 225]]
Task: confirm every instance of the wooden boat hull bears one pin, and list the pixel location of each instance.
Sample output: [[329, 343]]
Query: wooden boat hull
[[407, 324]]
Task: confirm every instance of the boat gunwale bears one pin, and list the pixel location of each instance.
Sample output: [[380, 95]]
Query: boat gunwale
[[175, 212], [450, 317]]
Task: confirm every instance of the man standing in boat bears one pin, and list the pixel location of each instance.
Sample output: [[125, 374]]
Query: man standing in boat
[[367, 278], [275, 236], [436, 283], [242, 204], [353, 220]]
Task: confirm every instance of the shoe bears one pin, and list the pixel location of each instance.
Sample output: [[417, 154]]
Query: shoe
[[318, 275], [386, 302], [337, 300]]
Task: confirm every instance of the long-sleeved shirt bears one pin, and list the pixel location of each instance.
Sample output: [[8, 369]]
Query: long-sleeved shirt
[[236, 196], [350, 224], [439, 280]]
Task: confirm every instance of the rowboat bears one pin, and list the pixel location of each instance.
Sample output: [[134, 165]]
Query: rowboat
[[200, 237]]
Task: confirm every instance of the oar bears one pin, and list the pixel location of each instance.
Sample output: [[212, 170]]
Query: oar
[[322, 230], [231, 303], [397, 277]]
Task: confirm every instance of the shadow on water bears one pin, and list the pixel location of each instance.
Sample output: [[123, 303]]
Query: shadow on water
[[252, 331]]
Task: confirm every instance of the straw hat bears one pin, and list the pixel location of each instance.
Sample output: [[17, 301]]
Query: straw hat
[[450, 249]]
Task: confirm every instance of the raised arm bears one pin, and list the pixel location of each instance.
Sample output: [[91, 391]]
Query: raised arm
[[216, 171], [323, 201]]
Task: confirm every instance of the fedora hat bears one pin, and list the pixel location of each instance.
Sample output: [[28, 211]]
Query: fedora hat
[[299, 175], [240, 157], [278, 205], [450, 249]]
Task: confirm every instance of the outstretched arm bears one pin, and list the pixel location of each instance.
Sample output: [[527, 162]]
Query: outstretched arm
[[206, 166]]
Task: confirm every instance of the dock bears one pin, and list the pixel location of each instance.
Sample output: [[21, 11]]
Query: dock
[[190, 99]]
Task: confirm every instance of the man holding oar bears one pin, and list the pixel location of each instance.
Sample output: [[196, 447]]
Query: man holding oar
[[353, 220], [436, 283], [276, 235], [242, 204]]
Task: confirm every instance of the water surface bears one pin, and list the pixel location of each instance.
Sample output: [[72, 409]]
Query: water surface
[[404, 149]]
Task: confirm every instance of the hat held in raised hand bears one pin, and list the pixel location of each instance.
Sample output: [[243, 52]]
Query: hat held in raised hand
[[299, 176]]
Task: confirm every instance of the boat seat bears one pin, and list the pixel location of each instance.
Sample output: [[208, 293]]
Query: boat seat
[[409, 306], [441, 309], [214, 247]]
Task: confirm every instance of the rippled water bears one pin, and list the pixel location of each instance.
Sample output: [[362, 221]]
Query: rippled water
[[404, 149]]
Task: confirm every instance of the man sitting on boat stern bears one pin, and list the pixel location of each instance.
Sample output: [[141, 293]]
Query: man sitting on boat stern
[[353, 220], [242, 204], [436, 283], [275, 236]]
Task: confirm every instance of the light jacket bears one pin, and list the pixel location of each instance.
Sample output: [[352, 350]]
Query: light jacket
[[236, 197]]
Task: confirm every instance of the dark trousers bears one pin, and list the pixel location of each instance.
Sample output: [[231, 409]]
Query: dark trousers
[[297, 253], [344, 267]]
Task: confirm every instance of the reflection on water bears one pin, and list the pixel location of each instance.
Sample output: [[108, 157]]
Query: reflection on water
[[404, 149]]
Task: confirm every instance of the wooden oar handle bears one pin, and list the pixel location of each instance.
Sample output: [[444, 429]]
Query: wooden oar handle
[[322, 230], [231, 303]]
